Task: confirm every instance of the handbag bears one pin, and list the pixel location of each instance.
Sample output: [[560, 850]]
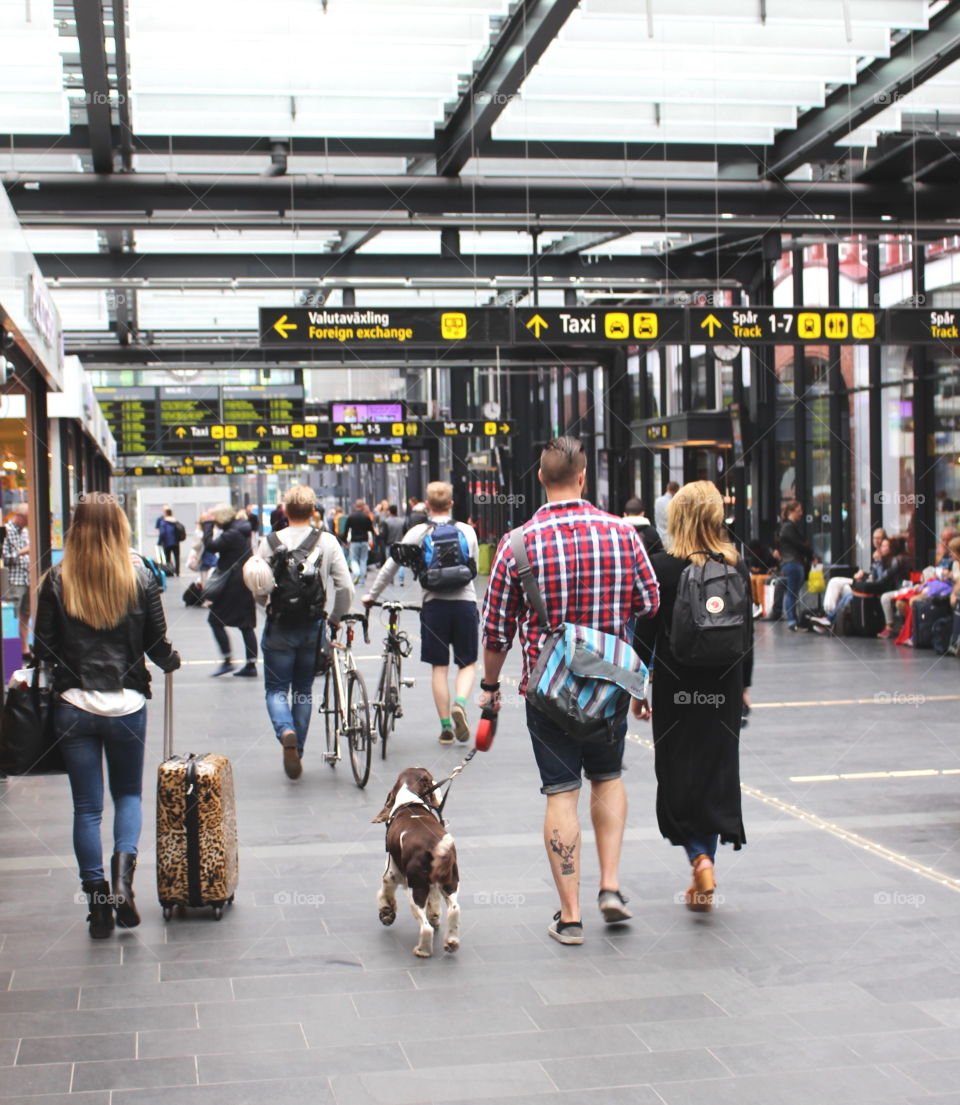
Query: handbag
[[216, 586], [583, 679], [28, 740]]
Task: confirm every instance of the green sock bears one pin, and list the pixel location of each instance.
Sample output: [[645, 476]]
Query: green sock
[[446, 723], [460, 700]]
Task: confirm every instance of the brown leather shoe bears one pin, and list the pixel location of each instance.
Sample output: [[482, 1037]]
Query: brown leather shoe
[[291, 755]]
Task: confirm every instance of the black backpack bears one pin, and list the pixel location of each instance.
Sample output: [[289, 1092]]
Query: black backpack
[[711, 615], [298, 596], [179, 531], [447, 563]]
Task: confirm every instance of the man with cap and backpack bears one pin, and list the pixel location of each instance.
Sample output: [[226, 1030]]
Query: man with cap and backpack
[[443, 555], [302, 576]]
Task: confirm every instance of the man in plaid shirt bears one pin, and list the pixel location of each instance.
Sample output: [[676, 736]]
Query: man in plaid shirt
[[593, 571]]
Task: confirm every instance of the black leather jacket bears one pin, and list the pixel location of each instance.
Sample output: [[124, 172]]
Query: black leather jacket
[[102, 659]]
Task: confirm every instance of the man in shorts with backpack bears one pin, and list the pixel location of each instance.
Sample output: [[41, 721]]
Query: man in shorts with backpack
[[302, 575], [449, 618]]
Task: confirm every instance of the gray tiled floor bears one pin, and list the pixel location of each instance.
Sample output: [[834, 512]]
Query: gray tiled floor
[[829, 971]]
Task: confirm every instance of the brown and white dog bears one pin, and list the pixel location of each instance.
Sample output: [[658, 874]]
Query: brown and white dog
[[421, 856]]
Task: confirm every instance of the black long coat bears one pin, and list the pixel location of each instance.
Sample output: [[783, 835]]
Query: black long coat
[[696, 727], [235, 606]]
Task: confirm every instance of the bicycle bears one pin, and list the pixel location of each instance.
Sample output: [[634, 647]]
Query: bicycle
[[397, 646], [345, 705]]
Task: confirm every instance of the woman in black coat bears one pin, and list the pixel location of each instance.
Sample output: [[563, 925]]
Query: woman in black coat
[[696, 712], [234, 605]]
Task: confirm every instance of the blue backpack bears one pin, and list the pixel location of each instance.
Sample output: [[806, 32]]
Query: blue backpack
[[447, 564]]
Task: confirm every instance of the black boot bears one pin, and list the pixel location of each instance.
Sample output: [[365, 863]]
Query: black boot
[[122, 867], [249, 670], [225, 667], [101, 909]]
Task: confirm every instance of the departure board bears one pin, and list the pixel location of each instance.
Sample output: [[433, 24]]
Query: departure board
[[263, 405], [131, 414], [187, 415]]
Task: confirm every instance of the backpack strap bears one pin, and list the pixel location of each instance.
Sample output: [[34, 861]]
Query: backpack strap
[[274, 542], [528, 581], [312, 538]]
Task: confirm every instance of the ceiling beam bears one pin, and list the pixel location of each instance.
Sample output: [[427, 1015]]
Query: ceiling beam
[[913, 60], [213, 145], [96, 82], [576, 243], [520, 43], [206, 349], [615, 204], [75, 269]]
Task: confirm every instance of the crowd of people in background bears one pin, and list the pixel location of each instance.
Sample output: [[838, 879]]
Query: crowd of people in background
[[889, 598], [622, 576]]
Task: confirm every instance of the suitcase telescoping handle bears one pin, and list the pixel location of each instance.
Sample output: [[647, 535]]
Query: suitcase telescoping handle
[[168, 715]]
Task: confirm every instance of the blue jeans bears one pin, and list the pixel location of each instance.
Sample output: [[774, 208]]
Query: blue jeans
[[793, 575], [707, 846], [359, 552], [289, 668], [84, 738]]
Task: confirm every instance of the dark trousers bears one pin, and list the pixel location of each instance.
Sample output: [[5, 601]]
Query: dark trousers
[[248, 634], [172, 556]]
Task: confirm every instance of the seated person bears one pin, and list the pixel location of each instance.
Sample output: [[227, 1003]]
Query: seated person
[[887, 573], [840, 586]]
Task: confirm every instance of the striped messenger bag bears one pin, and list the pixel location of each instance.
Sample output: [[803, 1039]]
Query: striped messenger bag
[[583, 679]]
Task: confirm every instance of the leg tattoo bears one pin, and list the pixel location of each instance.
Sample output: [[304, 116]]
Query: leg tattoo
[[566, 852]]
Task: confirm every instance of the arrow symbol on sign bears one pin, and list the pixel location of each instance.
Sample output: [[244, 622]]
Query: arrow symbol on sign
[[711, 323], [180, 432], [341, 429], [536, 324], [504, 427], [282, 326], [261, 430]]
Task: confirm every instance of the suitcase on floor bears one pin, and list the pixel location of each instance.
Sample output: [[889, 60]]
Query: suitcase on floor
[[197, 862], [926, 613], [861, 616], [946, 634], [193, 596], [809, 604]]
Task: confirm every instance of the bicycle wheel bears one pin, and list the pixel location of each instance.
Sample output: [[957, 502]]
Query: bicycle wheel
[[328, 708], [387, 712], [358, 727]]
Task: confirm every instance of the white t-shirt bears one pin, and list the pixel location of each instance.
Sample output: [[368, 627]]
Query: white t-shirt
[[105, 703]]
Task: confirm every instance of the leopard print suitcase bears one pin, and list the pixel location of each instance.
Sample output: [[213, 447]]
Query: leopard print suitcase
[[197, 862]]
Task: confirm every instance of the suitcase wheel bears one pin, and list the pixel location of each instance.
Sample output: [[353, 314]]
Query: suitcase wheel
[[167, 912], [218, 912]]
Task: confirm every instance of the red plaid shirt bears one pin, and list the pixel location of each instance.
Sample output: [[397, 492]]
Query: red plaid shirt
[[592, 570]]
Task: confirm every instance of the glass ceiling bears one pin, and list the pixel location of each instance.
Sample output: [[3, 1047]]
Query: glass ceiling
[[640, 71]]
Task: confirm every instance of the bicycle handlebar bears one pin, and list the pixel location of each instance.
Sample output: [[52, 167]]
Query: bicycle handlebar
[[362, 620], [395, 605]]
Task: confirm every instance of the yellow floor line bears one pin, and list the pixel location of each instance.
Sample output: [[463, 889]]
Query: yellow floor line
[[880, 699], [839, 832], [856, 775]]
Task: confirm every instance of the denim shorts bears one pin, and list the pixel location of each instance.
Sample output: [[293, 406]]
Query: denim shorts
[[562, 759]]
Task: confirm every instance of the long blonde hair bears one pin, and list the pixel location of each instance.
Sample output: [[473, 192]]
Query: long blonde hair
[[99, 579], [695, 523]]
